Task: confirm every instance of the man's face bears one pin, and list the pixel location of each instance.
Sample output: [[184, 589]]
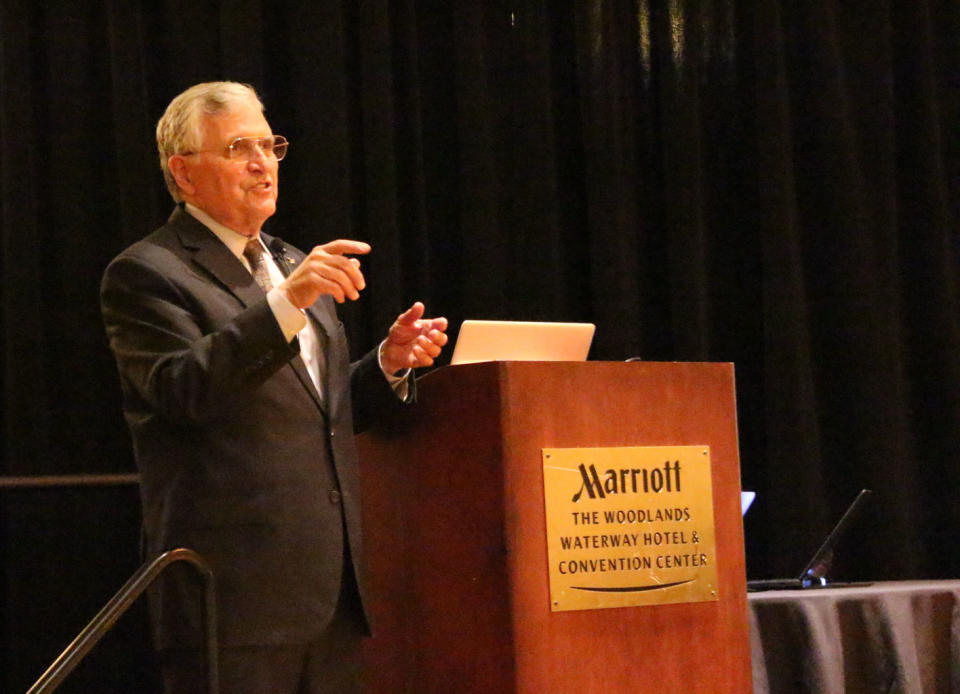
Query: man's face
[[240, 193]]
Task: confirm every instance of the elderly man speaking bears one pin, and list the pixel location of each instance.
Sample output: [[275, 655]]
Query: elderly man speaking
[[242, 404]]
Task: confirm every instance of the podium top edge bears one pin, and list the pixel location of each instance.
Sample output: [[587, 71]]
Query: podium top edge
[[529, 364], [585, 362]]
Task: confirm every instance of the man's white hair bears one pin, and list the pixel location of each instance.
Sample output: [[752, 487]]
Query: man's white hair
[[178, 130]]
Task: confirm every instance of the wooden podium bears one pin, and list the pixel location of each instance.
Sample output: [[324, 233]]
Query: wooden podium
[[455, 534]]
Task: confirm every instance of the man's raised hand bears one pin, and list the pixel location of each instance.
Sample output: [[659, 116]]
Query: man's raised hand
[[327, 270], [413, 340]]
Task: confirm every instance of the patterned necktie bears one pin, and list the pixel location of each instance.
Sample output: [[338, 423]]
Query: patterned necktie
[[253, 252]]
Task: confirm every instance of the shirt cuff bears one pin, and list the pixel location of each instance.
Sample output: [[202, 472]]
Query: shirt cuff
[[290, 319], [400, 382]]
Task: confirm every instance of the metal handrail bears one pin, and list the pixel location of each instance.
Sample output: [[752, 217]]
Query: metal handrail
[[119, 603], [85, 480]]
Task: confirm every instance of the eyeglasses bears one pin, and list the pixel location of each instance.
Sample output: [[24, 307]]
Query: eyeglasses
[[246, 148]]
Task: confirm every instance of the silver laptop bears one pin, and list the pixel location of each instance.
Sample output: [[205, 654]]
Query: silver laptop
[[490, 340]]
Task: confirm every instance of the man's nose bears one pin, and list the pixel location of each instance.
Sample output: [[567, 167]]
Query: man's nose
[[257, 160]]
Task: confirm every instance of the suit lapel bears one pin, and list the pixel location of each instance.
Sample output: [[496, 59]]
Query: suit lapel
[[300, 369], [325, 318], [214, 257]]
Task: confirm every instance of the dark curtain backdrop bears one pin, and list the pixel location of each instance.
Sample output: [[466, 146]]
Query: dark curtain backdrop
[[768, 182]]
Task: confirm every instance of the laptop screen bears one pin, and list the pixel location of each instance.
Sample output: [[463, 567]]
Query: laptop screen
[[746, 499], [487, 340]]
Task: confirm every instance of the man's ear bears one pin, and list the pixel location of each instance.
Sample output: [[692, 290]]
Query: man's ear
[[180, 170]]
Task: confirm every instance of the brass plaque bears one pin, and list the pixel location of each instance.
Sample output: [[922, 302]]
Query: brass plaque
[[629, 526]]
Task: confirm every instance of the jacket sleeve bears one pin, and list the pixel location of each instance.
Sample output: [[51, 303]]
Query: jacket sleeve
[[371, 395], [177, 355]]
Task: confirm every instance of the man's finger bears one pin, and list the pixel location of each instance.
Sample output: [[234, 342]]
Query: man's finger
[[411, 315], [421, 357], [332, 265], [429, 346], [343, 246], [438, 324]]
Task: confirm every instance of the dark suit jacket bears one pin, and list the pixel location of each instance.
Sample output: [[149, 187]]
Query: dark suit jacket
[[239, 460]]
